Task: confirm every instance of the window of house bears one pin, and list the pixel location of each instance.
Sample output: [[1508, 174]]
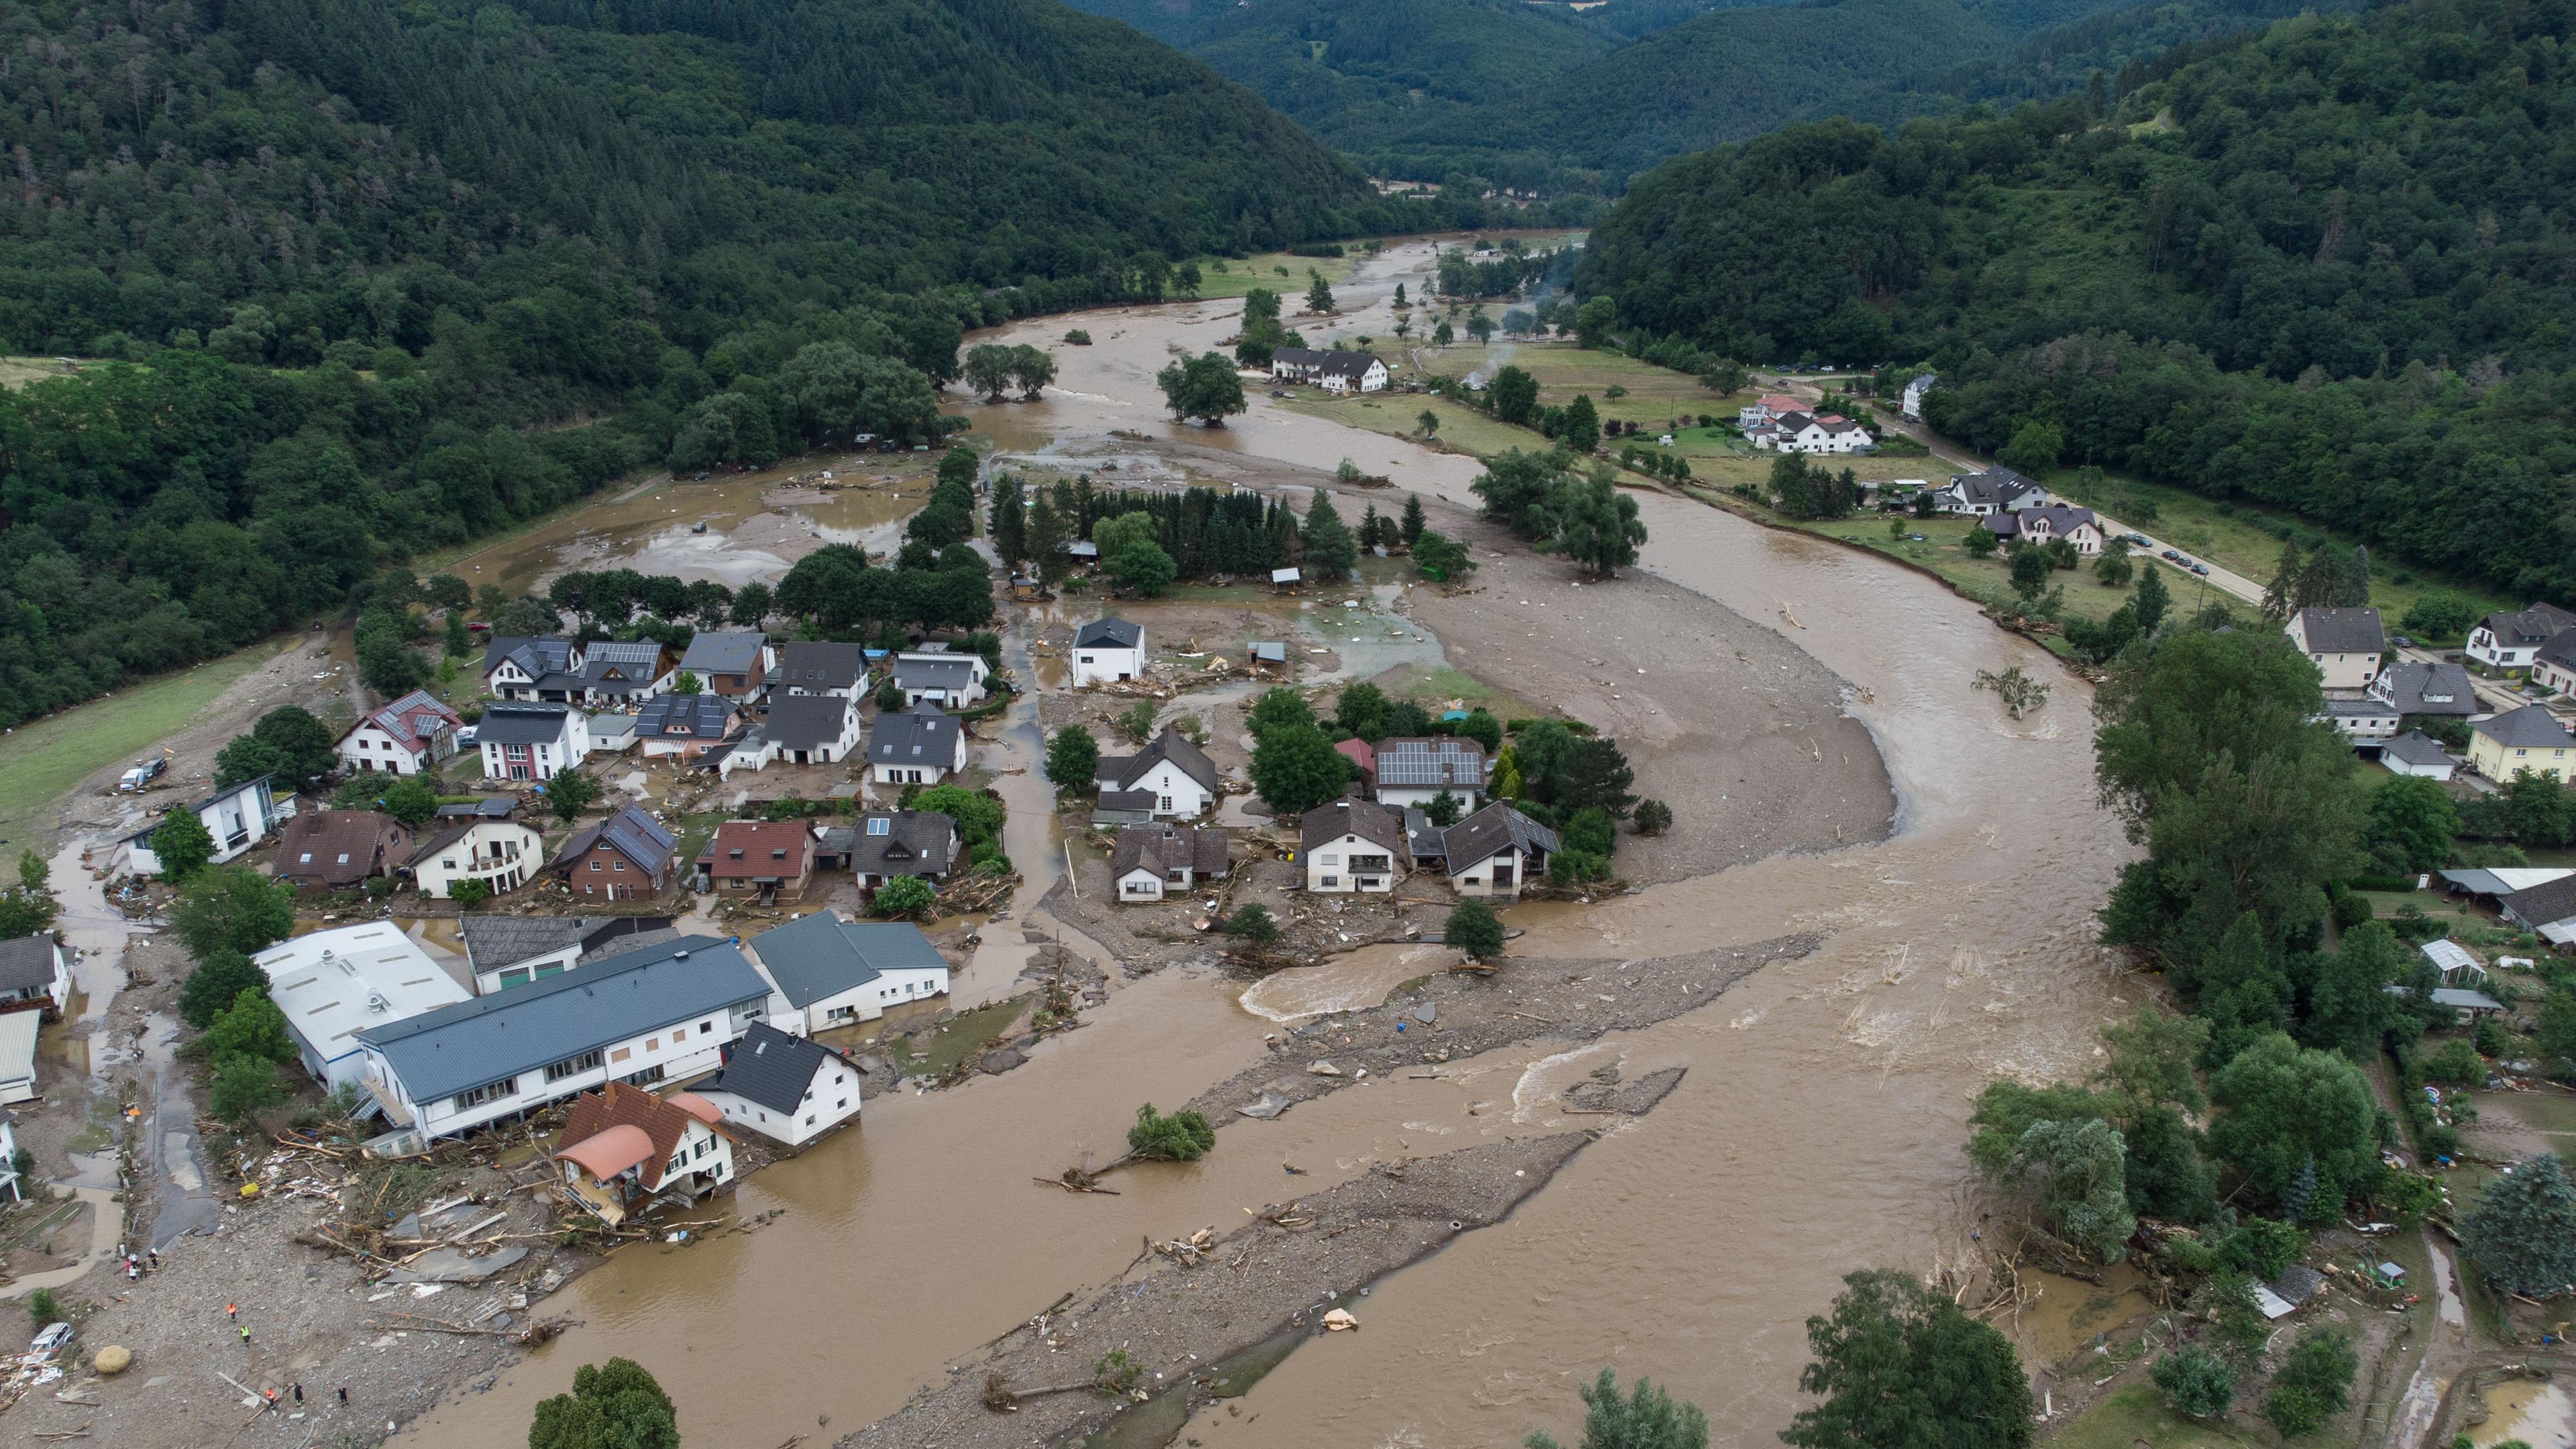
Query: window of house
[[644, 1078], [488, 1092], [809, 1119], [679, 1034], [569, 1066], [619, 866], [880, 826], [515, 976], [594, 866], [706, 1026]]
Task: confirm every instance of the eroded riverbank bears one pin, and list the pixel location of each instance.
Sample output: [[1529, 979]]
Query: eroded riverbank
[[1816, 1131]]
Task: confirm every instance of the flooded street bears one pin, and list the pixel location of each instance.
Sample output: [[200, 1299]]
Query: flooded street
[[1818, 1129]]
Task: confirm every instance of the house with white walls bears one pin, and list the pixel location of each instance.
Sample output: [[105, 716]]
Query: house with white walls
[[789, 1089], [829, 972], [531, 741], [405, 737], [239, 817], [1108, 651], [334, 984], [1178, 776]]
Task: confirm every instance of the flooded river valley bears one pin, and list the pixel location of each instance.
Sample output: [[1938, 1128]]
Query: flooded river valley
[[1817, 1130]]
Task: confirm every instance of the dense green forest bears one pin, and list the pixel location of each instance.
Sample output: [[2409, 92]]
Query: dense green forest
[[2329, 266], [1547, 98], [377, 272]]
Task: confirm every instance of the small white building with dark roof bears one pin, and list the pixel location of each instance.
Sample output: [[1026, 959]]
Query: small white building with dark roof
[[1108, 651], [922, 745], [531, 741], [937, 676], [789, 1089], [1173, 770]]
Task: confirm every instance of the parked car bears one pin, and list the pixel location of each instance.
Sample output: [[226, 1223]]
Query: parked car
[[2140, 540], [142, 774], [2170, 556], [2201, 569], [2401, 641], [52, 1339]]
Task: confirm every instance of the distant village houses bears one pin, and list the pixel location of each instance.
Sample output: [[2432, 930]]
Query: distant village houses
[[2046, 522], [1333, 371], [2512, 641]]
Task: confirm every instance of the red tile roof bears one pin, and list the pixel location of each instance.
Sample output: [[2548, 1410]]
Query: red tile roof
[[592, 1131], [757, 850]]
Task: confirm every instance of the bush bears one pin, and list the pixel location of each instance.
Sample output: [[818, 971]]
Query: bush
[[2197, 1382], [1591, 832], [2351, 910], [44, 1308], [1184, 1136], [1474, 929], [901, 897], [469, 893], [1653, 817], [2456, 1063], [217, 982], [2314, 1383], [1253, 923], [244, 1085]]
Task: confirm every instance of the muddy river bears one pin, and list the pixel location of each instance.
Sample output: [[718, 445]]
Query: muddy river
[[1817, 1131]]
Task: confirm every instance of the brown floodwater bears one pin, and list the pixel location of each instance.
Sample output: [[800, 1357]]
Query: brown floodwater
[[1817, 1132], [757, 524]]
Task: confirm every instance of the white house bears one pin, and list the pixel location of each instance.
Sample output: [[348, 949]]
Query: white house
[[2553, 665], [1333, 371], [813, 729], [1153, 861], [405, 737], [238, 818], [656, 1013], [506, 951], [1996, 490], [514, 663], [2414, 754], [1912, 403], [2344, 644], [18, 1055], [2047, 521], [9, 1158], [35, 968], [531, 741], [624, 1149], [1767, 409], [2511, 641], [1354, 845], [1805, 433], [503, 854], [920, 746], [817, 667], [1419, 771], [1173, 770], [937, 676], [684, 725], [334, 984], [1108, 651], [828, 972], [1496, 852], [789, 1089]]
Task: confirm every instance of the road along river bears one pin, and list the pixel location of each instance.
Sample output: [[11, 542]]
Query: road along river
[[1817, 1130]]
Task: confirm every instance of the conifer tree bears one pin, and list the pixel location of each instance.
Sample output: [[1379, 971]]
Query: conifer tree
[[1330, 555], [2522, 1233]]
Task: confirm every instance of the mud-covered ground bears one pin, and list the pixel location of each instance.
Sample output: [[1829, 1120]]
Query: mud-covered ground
[[1460, 1014], [1725, 720], [1179, 1317]]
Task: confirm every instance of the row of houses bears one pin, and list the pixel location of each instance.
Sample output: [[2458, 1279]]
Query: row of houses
[[2370, 698], [1358, 845], [1335, 370], [1780, 423], [367, 1006]]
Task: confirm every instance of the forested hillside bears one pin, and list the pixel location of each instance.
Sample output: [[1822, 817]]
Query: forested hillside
[[352, 248], [2329, 266], [1546, 97]]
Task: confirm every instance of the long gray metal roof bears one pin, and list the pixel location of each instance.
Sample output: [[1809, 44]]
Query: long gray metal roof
[[443, 1052]]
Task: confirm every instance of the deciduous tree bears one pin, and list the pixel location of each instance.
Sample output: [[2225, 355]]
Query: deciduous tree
[[1648, 1418], [615, 1405], [1295, 769], [1073, 759], [1895, 1358]]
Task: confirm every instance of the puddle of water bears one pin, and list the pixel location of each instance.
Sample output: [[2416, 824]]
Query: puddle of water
[[2071, 1313], [2539, 1414], [1354, 982]]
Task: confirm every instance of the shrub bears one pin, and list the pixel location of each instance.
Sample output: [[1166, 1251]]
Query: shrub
[[2197, 1382], [1183, 1136], [1653, 817], [905, 895], [1253, 923], [2456, 1063], [2351, 910], [1591, 831], [44, 1308], [1474, 929], [2314, 1382]]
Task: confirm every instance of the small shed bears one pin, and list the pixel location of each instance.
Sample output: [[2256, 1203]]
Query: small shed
[[2465, 1005], [2288, 1293], [1285, 581], [1267, 654], [2454, 962]]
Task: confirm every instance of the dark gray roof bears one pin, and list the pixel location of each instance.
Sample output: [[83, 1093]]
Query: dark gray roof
[[641, 933], [1163, 849], [1434, 761], [2297, 1284], [1121, 801], [506, 722], [1492, 830], [821, 955], [923, 735], [2413, 748], [935, 671], [689, 716], [492, 942], [2417, 687], [816, 664], [1123, 771], [724, 653], [27, 961], [443, 1052], [2342, 631], [771, 1068], [1338, 363], [1993, 488], [2530, 727], [1111, 632], [802, 721], [2062, 520], [635, 836], [902, 842], [1350, 815], [1427, 841], [2528, 627], [490, 807], [2360, 709], [540, 655], [2541, 905]]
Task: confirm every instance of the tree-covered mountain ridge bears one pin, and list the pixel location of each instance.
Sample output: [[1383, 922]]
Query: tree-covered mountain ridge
[[2329, 266]]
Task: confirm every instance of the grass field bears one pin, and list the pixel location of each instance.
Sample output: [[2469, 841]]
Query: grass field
[[41, 762], [1277, 271], [19, 371], [1653, 396], [2244, 539], [2137, 1415]]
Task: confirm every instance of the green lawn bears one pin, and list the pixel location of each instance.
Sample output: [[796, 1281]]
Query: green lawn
[[2242, 538], [1987, 580], [2137, 1415], [1654, 396], [1461, 429], [1242, 274], [41, 762]]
